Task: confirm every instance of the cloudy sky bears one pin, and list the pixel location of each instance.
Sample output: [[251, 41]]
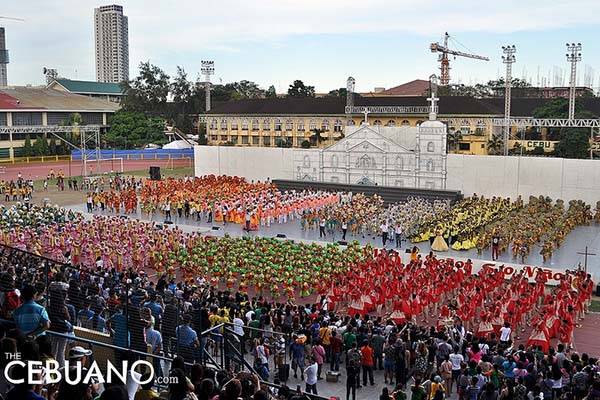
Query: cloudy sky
[[322, 42]]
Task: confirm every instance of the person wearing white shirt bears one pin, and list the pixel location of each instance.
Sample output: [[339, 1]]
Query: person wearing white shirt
[[384, 233], [344, 229], [506, 333], [398, 236], [310, 373]]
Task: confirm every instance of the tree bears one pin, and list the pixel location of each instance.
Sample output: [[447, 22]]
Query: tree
[[40, 146], [247, 90], [305, 144], [341, 92], [453, 140], [316, 137], [271, 93], [27, 147], [53, 146], [285, 142], [574, 143], [130, 130], [148, 92], [495, 145], [299, 89]]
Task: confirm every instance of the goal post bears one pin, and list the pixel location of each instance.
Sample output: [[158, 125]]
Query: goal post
[[103, 166]]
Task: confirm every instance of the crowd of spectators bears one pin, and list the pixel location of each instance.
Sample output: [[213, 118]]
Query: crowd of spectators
[[184, 322]]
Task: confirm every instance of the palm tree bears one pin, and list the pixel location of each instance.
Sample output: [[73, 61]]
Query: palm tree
[[453, 139], [495, 145], [316, 137]]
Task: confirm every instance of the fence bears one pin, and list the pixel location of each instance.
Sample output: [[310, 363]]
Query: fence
[[150, 154], [34, 159], [112, 313]]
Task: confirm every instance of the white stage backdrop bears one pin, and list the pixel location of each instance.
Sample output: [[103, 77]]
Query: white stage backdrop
[[487, 175]]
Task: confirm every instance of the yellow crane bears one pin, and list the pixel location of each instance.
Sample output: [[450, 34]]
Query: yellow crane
[[445, 62]]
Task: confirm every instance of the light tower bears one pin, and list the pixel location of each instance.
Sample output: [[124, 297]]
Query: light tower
[[574, 56], [208, 69], [508, 58]]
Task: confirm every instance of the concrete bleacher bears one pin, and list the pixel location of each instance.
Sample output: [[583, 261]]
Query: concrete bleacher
[[387, 193]]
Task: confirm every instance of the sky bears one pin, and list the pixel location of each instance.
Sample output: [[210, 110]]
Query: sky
[[381, 43]]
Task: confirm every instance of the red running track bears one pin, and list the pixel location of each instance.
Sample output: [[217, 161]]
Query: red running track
[[40, 170]]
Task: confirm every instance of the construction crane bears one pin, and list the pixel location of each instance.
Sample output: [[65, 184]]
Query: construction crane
[[445, 62], [15, 19]]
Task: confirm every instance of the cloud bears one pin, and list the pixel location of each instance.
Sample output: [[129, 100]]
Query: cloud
[[60, 32]]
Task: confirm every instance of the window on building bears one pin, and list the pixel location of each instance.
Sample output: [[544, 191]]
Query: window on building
[[223, 124], [267, 140], [419, 122], [325, 125], [337, 125], [234, 139], [244, 124], [430, 147], [277, 125], [234, 125], [465, 130], [266, 125], [391, 122], [351, 122], [289, 125], [406, 123], [430, 166], [224, 138], [313, 124], [464, 146], [244, 139], [255, 125], [377, 122], [399, 163], [213, 124], [256, 140], [300, 126], [213, 137]]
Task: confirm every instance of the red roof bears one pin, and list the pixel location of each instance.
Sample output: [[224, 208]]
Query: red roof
[[418, 87], [10, 103]]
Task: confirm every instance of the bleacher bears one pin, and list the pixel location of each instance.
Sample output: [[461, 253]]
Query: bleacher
[[388, 194]]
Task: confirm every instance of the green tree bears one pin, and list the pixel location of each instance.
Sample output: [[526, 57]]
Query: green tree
[[130, 130], [316, 138], [299, 89], [247, 90], [27, 147], [574, 143], [305, 144], [271, 93], [453, 140], [341, 92], [53, 146], [40, 146], [495, 145], [148, 92]]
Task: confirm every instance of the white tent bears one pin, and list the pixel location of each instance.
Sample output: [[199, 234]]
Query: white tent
[[179, 144]]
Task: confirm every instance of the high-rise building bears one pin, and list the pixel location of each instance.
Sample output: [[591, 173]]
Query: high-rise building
[[111, 34], [3, 58]]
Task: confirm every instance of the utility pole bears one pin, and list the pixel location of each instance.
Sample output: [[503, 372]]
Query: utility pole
[[508, 58], [208, 69], [574, 56]]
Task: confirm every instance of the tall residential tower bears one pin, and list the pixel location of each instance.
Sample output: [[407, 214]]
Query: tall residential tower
[[111, 35], [3, 58]]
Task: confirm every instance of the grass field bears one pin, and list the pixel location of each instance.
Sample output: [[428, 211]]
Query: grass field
[[595, 307], [70, 197]]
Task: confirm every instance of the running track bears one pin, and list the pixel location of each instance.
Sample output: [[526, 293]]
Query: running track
[[40, 170]]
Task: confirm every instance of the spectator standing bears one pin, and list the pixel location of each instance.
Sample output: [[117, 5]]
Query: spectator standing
[[367, 363], [311, 376], [31, 318]]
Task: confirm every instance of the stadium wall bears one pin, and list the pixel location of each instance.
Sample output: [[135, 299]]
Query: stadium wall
[[150, 154], [488, 175]]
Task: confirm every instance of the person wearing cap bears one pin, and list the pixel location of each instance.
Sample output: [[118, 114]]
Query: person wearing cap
[[31, 318], [78, 358]]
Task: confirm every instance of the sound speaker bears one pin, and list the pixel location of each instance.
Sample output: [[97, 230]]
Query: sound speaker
[[158, 226], [342, 242], [154, 173], [216, 228], [597, 290], [168, 222], [281, 235]]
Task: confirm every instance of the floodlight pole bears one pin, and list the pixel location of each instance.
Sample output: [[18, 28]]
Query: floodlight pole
[[573, 56], [208, 69], [508, 59]]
